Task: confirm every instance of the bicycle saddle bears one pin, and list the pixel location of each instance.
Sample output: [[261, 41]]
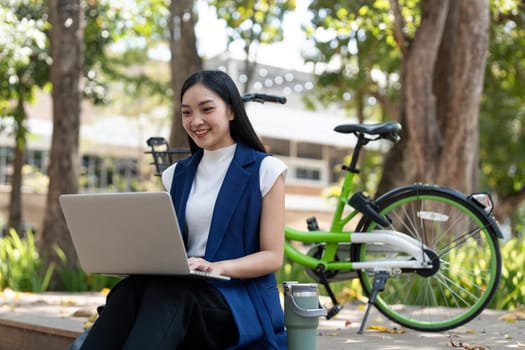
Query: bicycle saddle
[[387, 130]]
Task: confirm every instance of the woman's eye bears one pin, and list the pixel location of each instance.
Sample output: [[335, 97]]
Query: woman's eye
[[185, 113], [208, 109]]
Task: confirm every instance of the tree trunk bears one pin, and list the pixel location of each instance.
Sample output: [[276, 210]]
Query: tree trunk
[[15, 199], [418, 65], [459, 161], [408, 159], [67, 52], [185, 60], [442, 78]]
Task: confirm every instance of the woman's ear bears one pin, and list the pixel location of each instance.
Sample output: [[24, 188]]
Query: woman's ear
[[231, 115]]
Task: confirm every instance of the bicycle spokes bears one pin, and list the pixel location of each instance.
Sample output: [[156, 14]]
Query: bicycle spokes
[[454, 290]]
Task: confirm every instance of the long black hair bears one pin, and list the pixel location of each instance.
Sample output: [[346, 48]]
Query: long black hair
[[241, 128]]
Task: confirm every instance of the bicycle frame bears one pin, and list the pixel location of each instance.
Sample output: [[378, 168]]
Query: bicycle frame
[[393, 241], [415, 258]]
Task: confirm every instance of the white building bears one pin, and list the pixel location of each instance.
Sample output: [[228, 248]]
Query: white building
[[113, 146]]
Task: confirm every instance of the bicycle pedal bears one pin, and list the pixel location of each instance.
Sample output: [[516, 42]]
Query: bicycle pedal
[[312, 224], [334, 310]]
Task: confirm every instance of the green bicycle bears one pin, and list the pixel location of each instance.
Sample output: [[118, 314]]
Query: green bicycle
[[427, 257], [410, 244]]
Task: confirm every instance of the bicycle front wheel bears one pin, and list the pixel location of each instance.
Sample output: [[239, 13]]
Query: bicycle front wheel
[[465, 240]]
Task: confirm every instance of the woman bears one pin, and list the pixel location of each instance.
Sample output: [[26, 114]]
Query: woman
[[229, 198]]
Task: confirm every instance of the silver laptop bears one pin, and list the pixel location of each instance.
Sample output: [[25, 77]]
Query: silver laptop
[[127, 233]]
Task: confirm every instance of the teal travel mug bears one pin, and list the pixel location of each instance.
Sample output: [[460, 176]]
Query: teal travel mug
[[301, 315]]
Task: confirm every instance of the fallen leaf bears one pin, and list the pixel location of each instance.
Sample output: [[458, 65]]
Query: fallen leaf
[[386, 329], [83, 313], [67, 302], [513, 316], [463, 330], [348, 323], [508, 318]]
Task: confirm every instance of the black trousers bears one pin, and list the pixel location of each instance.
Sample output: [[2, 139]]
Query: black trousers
[[163, 312]]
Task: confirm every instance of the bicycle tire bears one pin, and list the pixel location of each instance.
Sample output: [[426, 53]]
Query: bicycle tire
[[466, 241]]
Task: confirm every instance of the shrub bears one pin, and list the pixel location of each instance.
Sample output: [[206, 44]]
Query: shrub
[[21, 267]]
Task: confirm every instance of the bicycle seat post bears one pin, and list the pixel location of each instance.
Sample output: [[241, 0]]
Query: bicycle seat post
[[361, 141]]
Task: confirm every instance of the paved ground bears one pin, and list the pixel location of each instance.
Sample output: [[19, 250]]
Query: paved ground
[[488, 331]]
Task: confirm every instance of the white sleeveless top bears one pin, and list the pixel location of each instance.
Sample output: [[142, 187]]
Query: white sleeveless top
[[206, 185]]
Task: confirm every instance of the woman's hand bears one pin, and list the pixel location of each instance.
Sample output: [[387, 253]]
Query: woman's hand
[[200, 264]]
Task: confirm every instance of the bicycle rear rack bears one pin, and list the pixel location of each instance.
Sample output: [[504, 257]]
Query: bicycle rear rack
[[162, 154]]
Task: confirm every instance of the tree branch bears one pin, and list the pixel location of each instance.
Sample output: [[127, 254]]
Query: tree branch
[[515, 17], [399, 24], [504, 207], [388, 105]]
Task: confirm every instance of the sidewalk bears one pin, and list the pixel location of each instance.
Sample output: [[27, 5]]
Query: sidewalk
[[488, 331], [71, 311]]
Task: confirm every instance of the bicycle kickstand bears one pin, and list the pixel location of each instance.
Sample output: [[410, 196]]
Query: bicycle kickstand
[[378, 286]]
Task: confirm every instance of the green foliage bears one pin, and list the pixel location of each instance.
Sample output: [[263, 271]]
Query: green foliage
[[24, 61], [21, 267], [253, 21], [118, 37], [511, 291], [502, 108], [355, 42], [25, 53]]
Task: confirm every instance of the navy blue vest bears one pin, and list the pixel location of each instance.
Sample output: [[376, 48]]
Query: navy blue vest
[[234, 233]]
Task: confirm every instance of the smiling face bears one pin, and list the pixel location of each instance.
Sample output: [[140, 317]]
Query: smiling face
[[206, 118]]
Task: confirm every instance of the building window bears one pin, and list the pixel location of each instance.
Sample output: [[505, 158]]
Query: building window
[[277, 146], [303, 173], [114, 174], [306, 171], [309, 150]]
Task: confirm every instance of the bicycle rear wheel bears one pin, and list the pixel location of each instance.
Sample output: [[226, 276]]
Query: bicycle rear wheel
[[465, 240]]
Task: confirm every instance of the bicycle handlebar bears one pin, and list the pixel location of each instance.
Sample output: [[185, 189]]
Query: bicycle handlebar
[[261, 98]]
